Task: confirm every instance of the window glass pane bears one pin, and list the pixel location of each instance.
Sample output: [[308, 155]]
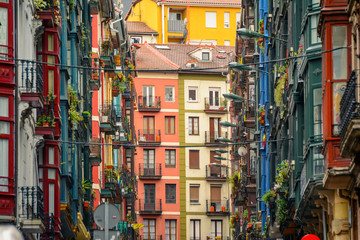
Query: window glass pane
[[4, 127], [314, 23], [338, 92], [51, 80], [51, 198], [170, 193], [4, 164], [4, 109], [340, 65], [50, 42], [3, 32], [192, 94], [169, 94], [226, 19], [227, 42], [51, 59], [317, 112], [51, 173], [41, 173], [51, 155]]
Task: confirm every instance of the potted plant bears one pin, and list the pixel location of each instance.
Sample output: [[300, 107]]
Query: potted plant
[[105, 46], [207, 106], [270, 194]]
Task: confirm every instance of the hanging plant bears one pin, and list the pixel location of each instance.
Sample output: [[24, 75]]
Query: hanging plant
[[74, 114], [280, 85]]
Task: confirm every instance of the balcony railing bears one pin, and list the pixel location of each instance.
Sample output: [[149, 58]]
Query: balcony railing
[[217, 207], [215, 105], [213, 136], [149, 136], [150, 171], [149, 104], [32, 203], [151, 236], [150, 206], [108, 118], [303, 179], [348, 105], [176, 26], [50, 223], [217, 173], [31, 83]]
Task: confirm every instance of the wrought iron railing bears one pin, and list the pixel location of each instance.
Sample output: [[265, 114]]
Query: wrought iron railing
[[216, 172], [348, 105], [149, 135], [50, 223], [213, 136], [303, 179], [215, 103], [150, 205], [214, 206], [149, 103], [108, 113], [31, 77], [151, 236], [149, 170], [32, 202]]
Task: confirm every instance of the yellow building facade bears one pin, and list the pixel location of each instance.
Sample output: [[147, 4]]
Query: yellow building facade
[[188, 22]]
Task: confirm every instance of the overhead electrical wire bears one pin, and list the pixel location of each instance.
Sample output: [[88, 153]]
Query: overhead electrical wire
[[173, 70], [167, 146]]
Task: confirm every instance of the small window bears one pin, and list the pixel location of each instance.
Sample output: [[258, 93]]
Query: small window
[[193, 94], [210, 19], [169, 125], [193, 125], [226, 20], [194, 159], [227, 42], [205, 56], [169, 94], [194, 193], [170, 158], [135, 40], [170, 229], [170, 193]]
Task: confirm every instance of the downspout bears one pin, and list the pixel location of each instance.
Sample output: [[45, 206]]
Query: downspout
[[163, 23], [16, 114]]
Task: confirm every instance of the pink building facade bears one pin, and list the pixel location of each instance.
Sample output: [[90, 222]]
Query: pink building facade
[[156, 162]]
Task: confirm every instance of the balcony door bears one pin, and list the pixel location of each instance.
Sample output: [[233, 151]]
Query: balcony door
[[149, 229], [149, 128], [216, 228], [149, 197], [148, 95], [214, 171], [215, 197], [149, 162], [214, 98], [214, 129]]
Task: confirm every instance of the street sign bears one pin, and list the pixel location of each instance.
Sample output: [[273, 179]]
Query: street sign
[[100, 235], [113, 217]]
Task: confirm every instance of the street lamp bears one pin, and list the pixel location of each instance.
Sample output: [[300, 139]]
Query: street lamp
[[236, 98], [222, 139], [220, 150], [227, 124], [217, 157], [246, 34], [237, 67]]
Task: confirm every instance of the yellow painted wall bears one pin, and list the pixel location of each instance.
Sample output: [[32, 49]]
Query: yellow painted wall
[[149, 12], [198, 29]]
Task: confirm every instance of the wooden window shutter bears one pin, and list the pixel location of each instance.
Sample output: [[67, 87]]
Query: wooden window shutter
[[194, 158], [215, 194], [194, 193]]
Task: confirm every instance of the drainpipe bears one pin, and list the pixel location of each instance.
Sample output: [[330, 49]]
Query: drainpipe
[[16, 116], [163, 23], [324, 225]]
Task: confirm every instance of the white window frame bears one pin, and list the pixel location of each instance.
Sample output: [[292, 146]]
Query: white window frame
[[226, 42], [210, 19], [196, 91], [204, 53], [139, 39], [226, 19]]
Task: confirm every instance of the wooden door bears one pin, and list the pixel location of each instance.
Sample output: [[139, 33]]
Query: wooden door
[[214, 171], [149, 197], [214, 129], [149, 128]]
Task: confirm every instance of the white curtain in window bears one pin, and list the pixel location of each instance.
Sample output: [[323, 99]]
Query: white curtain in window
[[4, 164], [210, 19], [51, 155], [190, 126], [51, 198], [4, 32]]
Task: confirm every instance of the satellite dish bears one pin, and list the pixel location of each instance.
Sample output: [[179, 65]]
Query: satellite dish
[[242, 151], [113, 217]]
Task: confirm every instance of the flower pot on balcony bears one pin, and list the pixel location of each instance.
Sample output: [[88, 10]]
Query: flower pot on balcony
[[221, 108], [262, 122], [115, 92], [157, 138], [117, 60], [212, 209], [95, 77], [46, 124], [223, 208], [86, 205]]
